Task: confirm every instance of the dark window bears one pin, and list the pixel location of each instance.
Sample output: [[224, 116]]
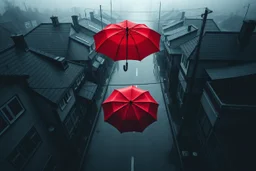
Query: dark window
[[50, 165], [25, 149], [12, 109], [15, 107], [204, 122], [3, 123]]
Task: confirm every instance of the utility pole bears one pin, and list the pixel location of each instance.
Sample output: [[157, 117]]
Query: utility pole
[[248, 6], [111, 10], [101, 17], [159, 17], [193, 77], [25, 6]]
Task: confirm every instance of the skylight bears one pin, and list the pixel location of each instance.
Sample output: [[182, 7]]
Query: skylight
[[82, 39]]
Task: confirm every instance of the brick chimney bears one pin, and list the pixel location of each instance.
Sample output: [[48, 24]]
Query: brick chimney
[[55, 21], [19, 41], [246, 32], [182, 15], [92, 15]]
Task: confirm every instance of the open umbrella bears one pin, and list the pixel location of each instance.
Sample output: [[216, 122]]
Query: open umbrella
[[130, 109], [127, 40]]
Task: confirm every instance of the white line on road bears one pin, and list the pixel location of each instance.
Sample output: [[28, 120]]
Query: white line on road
[[132, 163], [136, 71]]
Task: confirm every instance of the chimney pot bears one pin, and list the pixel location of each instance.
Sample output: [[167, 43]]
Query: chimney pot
[[246, 32], [189, 28], [75, 20], [182, 15], [92, 15], [55, 21], [19, 41]]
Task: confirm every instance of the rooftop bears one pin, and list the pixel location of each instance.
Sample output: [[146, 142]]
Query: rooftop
[[224, 46], [90, 25], [179, 32], [35, 65], [236, 91], [189, 46], [50, 39]]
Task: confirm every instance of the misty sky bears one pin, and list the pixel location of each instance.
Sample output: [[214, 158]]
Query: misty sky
[[225, 6]]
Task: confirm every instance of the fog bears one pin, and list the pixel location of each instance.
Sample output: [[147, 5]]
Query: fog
[[225, 6]]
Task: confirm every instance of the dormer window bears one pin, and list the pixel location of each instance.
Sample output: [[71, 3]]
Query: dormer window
[[63, 103]]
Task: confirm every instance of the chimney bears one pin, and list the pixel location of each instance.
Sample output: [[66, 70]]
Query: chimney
[[182, 16], [75, 20], [246, 32], [92, 15], [19, 42], [55, 21], [189, 27]]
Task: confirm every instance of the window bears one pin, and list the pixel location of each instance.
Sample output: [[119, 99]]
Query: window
[[12, 109], [9, 113], [71, 121], [3, 123], [180, 92], [50, 165], [204, 122], [25, 149], [184, 61], [63, 103]]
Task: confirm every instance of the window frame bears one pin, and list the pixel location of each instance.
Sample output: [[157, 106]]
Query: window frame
[[6, 105], [184, 61], [8, 124], [20, 149]]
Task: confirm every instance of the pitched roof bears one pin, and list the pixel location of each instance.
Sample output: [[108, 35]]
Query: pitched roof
[[5, 40], [50, 39], [171, 24], [90, 25], [188, 47], [231, 72], [43, 73], [105, 21], [179, 32], [77, 51], [224, 46], [209, 26], [82, 38]]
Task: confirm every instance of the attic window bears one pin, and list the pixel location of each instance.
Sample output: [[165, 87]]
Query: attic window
[[94, 27], [82, 39]]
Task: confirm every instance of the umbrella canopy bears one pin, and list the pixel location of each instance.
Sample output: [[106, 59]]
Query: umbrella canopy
[[127, 41], [130, 109]]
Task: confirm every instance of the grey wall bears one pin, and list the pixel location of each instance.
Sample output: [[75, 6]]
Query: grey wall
[[13, 135]]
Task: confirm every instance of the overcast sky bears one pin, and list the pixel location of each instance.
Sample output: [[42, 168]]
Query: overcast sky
[[217, 5]]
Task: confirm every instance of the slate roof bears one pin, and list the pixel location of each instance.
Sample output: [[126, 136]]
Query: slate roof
[[90, 25], [209, 26], [83, 38], [5, 40], [179, 32], [171, 24], [232, 72], [77, 51], [50, 39], [43, 73], [224, 46], [105, 21], [188, 47]]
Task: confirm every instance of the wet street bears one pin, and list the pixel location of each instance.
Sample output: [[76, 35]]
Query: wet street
[[151, 150]]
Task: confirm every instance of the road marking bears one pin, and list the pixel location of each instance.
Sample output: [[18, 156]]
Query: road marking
[[132, 163], [136, 71]]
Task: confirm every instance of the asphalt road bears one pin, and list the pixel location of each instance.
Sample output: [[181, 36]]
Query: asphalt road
[[152, 150]]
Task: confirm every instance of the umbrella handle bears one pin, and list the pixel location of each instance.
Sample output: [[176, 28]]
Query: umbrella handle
[[125, 66]]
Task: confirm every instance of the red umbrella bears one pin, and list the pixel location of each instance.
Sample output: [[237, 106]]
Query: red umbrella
[[130, 109], [127, 40]]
